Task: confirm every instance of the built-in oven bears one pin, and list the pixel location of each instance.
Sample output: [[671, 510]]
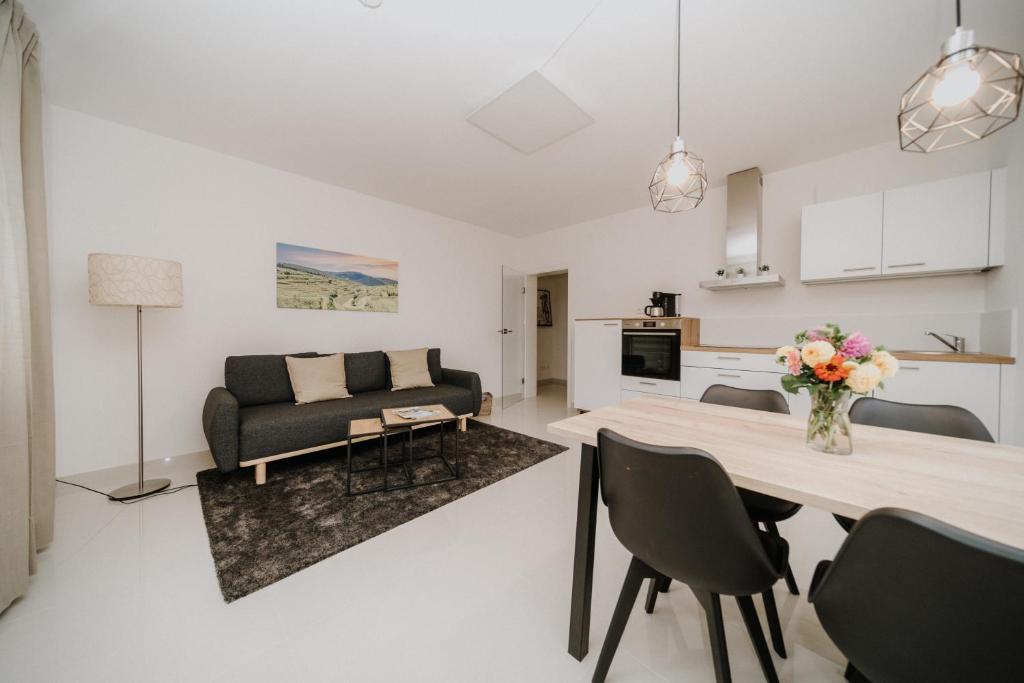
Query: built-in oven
[[650, 348]]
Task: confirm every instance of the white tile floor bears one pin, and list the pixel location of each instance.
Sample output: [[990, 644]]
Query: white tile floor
[[476, 590]]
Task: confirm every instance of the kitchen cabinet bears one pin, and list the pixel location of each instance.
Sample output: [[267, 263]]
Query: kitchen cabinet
[[629, 394], [597, 363], [842, 240], [937, 227], [947, 226], [650, 385], [696, 380], [974, 386]]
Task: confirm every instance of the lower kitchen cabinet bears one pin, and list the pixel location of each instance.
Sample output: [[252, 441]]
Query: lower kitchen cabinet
[[696, 380], [597, 363], [629, 394], [974, 386]]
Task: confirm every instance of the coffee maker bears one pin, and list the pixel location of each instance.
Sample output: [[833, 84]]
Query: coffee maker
[[663, 305]]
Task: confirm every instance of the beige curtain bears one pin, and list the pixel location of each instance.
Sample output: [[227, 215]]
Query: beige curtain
[[26, 367]]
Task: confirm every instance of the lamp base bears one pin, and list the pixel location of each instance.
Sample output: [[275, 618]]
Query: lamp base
[[130, 491]]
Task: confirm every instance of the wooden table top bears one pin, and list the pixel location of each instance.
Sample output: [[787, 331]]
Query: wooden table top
[[391, 417], [973, 485]]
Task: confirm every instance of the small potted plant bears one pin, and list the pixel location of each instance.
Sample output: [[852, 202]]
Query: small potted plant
[[764, 269], [741, 273], [720, 273]]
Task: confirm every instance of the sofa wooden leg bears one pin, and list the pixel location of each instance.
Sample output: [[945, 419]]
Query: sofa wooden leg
[[261, 473], [463, 424]]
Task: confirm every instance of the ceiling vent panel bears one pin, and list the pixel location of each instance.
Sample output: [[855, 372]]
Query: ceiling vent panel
[[531, 115]]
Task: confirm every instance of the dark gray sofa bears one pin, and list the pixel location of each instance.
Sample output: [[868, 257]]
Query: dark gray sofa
[[254, 415]]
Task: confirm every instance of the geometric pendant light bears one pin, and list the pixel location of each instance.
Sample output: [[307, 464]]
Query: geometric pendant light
[[969, 94], [680, 180]]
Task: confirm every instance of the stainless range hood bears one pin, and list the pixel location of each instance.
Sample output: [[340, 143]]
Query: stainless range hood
[[743, 216]]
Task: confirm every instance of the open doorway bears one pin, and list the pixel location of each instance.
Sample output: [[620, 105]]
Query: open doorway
[[550, 362]]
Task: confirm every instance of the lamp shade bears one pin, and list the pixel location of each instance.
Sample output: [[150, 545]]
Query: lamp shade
[[120, 280]]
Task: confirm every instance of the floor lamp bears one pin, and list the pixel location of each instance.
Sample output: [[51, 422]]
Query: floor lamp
[[119, 280]]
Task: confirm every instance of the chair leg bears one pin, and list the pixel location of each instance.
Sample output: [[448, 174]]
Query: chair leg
[[790, 579], [774, 627], [712, 605], [635, 576], [659, 584], [749, 613], [652, 596]]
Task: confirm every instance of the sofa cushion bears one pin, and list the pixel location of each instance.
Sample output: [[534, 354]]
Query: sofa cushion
[[434, 365], [258, 380], [284, 427], [366, 371], [317, 379]]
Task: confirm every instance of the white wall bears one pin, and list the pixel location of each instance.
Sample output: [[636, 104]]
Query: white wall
[[552, 342], [117, 189], [1006, 285]]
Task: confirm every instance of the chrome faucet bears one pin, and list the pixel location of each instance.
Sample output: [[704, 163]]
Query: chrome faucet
[[957, 345]]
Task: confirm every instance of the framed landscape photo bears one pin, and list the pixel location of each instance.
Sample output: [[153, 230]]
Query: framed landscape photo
[[335, 281], [544, 308]]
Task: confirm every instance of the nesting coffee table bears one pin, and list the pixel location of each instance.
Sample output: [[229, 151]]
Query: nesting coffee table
[[390, 424]]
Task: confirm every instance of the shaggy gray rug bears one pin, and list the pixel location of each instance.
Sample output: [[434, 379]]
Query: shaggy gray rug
[[261, 534]]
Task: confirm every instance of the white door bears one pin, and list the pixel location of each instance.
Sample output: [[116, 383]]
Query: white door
[[513, 349], [937, 227], [597, 363], [842, 239]]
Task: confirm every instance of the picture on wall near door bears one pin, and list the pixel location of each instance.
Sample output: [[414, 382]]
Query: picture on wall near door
[[335, 281], [544, 308]]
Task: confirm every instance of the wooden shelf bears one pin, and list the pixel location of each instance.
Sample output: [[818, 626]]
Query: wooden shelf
[[768, 280]]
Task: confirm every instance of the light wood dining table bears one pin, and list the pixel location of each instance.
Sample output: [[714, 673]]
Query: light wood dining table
[[972, 485]]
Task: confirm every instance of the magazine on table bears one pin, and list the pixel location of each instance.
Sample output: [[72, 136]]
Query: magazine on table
[[415, 413]]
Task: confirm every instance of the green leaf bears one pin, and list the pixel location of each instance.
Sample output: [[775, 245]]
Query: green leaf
[[793, 383]]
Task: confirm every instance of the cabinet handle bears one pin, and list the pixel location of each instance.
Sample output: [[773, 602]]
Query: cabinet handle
[[610, 324], [729, 358], [906, 265], [724, 375], [854, 270], [909, 367], [650, 384]]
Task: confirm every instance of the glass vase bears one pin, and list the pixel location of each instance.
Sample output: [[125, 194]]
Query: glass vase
[[828, 426]]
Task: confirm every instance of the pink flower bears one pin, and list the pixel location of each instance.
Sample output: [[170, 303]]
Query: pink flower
[[816, 335], [793, 363], [856, 346]]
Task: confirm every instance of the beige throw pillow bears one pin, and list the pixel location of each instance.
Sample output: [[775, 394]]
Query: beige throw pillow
[[317, 379], [409, 369]]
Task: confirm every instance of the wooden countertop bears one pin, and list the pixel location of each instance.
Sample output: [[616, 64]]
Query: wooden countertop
[[937, 356], [972, 485]]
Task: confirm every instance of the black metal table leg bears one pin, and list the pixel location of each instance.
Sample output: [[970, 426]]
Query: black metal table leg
[[583, 561], [348, 467]]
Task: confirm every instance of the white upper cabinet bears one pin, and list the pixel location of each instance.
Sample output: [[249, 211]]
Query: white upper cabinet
[[842, 239], [597, 363], [937, 227], [948, 226]]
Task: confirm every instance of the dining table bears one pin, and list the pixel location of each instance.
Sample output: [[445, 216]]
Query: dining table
[[976, 486]]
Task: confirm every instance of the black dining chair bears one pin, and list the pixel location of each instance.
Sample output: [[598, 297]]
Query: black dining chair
[[678, 513], [941, 420], [909, 598], [762, 508]]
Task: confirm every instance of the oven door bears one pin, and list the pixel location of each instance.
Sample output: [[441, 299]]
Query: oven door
[[653, 354]]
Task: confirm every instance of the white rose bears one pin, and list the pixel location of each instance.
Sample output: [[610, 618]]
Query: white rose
[[783, 351], [817, 352], [864, 378], [886, 363]]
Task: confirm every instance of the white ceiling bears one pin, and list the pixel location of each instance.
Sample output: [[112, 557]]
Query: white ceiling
[[376, 100]]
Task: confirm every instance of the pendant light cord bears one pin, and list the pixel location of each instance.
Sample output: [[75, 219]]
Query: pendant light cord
[[958, 24], [679, 30], [571, 34]]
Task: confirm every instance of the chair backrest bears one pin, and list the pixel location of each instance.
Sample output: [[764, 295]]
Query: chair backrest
[[676, 510], [941, 420], [910, 598], [754, 399]]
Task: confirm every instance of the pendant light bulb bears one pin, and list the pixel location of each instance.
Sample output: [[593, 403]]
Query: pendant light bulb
[[678, 172], [957, 86]]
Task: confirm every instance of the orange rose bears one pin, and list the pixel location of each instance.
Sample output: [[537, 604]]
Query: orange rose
[[833, 370]]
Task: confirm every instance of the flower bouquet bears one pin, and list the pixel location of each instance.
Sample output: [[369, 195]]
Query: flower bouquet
[[831, 365]]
